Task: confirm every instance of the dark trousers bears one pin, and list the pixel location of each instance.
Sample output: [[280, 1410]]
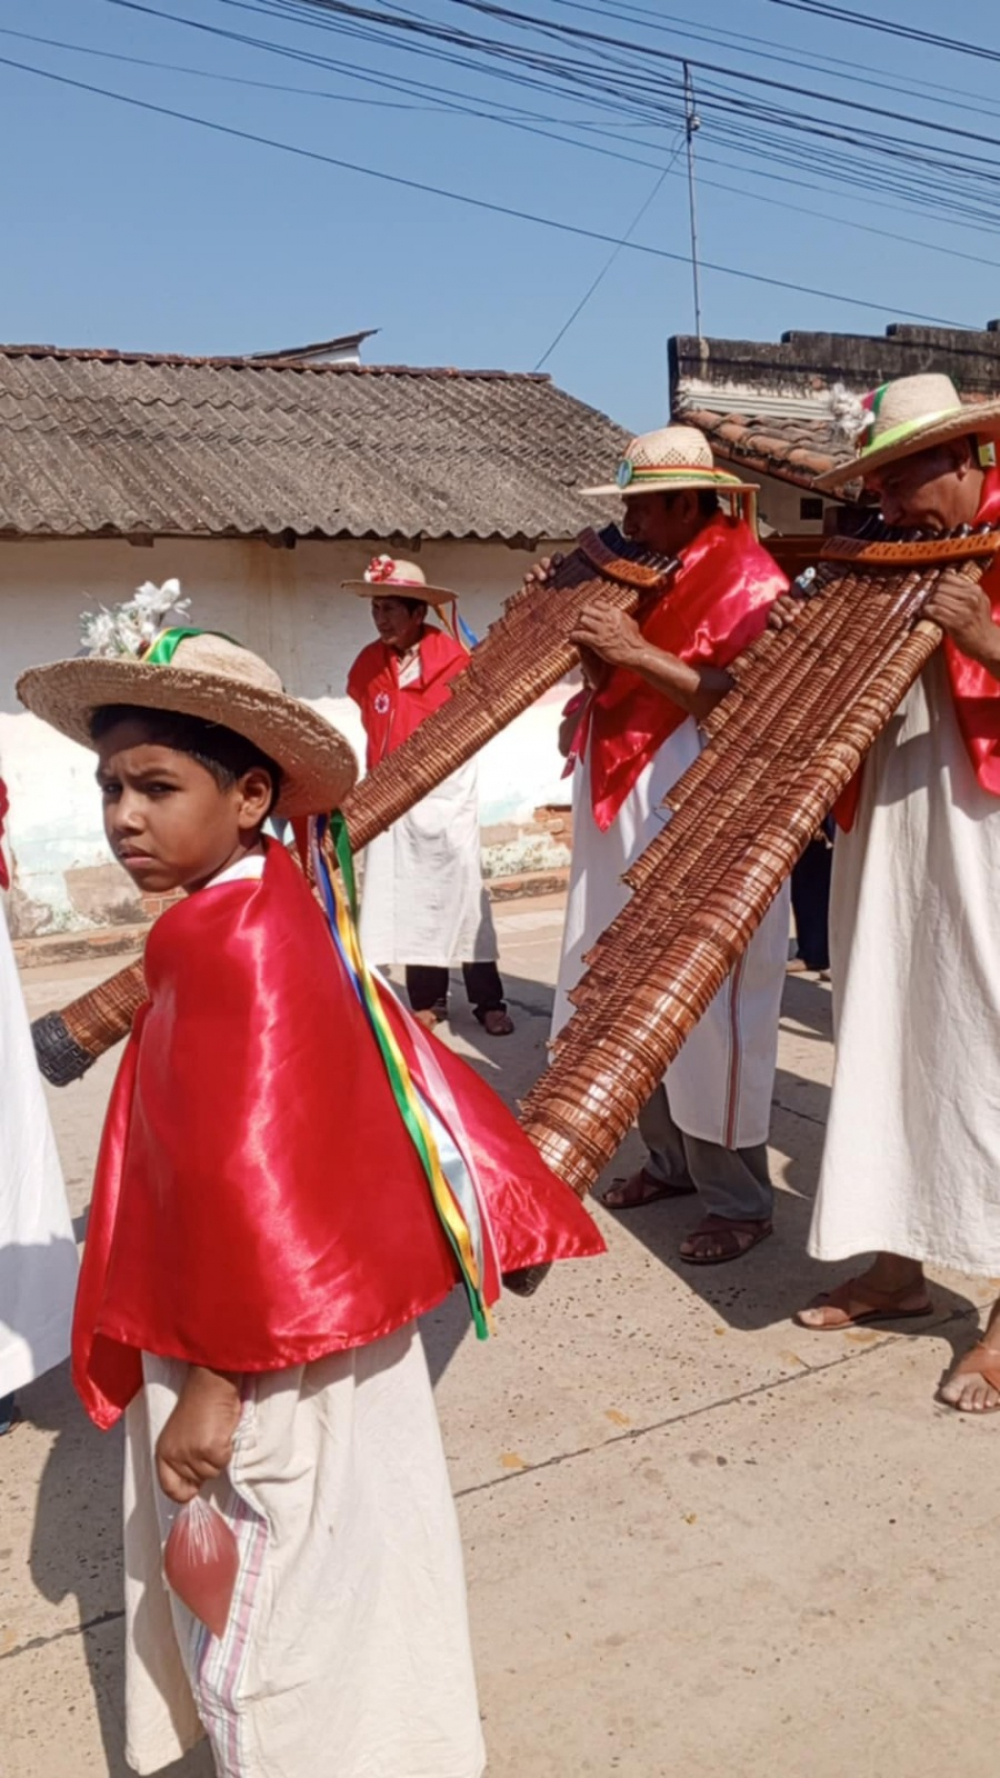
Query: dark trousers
[[811, 904], [427, 987]]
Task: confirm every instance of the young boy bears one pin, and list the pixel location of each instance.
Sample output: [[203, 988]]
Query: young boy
[[263, 1236]]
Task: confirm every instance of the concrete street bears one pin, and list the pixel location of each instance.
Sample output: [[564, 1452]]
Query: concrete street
[[700, 1541]]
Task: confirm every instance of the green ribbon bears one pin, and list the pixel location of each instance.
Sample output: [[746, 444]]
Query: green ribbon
[[345, 858], [402, 1090], [899, 434], [168, 641]]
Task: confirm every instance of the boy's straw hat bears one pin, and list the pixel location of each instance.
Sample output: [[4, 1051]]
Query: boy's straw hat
[[665, 461], [909, 415], [201, 674], [385, 577]]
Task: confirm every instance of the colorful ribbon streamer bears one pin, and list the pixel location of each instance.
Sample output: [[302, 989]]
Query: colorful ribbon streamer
[[461, 1225]]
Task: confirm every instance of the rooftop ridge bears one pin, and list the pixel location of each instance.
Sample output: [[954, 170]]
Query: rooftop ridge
[[252, 363]]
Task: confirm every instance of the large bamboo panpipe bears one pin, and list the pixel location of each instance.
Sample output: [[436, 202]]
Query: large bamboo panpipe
[[808, 703]]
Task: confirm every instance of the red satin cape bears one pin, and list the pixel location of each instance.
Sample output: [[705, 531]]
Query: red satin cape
[[714, 608], [392, 712], [258, 1203], [975, 692]]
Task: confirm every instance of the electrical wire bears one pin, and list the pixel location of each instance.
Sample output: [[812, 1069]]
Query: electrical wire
[[609, 262], [467, 199], [941, 194]]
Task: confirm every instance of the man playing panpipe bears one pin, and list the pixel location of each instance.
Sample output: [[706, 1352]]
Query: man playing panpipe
[[649, 684], [911, 1165]]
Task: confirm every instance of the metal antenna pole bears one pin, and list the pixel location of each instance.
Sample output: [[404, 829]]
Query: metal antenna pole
[[692, 122]]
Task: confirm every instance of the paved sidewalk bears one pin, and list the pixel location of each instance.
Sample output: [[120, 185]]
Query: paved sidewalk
[[700, 1542]]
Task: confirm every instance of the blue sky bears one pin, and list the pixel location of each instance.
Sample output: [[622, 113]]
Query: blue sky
[[132, 230]]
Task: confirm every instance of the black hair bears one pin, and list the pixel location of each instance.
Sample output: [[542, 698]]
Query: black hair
[[222, 752], [708, 500]]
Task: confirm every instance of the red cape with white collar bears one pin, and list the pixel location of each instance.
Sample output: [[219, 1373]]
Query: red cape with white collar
[[391, 712], [258, 1203], [715, 606]]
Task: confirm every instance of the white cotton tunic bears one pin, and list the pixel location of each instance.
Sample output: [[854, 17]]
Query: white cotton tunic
[[720, 1086], [38, 1258], [347, 1650], [422, 898], [912, 1157]]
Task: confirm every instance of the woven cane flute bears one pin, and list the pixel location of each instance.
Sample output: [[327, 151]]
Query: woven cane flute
[[807, 705]]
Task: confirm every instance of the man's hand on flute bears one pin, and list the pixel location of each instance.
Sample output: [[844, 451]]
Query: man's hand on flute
[[617, 639], [964, 613], [541, 573], [785, 610]]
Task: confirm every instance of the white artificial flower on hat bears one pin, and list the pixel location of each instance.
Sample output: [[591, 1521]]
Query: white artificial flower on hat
[[851, 417], [128, 628]]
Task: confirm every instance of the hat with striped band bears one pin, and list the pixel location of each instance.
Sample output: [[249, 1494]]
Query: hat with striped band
[[668, 460], [906, 416]]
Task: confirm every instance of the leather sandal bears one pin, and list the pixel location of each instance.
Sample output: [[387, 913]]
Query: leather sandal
[[727, 1231], [497, 1022], [857, 1303], [640, 1189]]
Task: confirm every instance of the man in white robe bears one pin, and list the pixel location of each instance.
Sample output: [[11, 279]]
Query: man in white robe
[[38, 1262], [651, 683], [424, 907], [911, 1165]]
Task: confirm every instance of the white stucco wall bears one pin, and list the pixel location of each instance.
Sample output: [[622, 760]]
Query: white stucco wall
[[285, 604], [780, 505]]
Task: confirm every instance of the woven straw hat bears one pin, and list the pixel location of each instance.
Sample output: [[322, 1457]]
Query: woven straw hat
[[909, 415], [385, 577], [675, 457], [214, 678]]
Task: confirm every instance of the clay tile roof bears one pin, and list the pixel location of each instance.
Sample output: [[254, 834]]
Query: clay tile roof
[[132, 444], [793, 450]]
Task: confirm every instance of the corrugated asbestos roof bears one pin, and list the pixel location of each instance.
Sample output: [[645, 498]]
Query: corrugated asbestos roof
[[129, 444]]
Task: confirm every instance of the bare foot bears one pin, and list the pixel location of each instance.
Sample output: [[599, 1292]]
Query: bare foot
[[428, 1018], [974, 1384]]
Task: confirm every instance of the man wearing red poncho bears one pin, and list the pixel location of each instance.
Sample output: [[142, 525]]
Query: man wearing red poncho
[[912, 1157], [424, 906], [651, 682]]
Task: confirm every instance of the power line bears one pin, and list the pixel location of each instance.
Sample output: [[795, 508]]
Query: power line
[[453, 109], [939, 197], [885, 80], [268, 86], [890, 28], [466, 199], [609, 262], [944, 198], [506, 14]]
